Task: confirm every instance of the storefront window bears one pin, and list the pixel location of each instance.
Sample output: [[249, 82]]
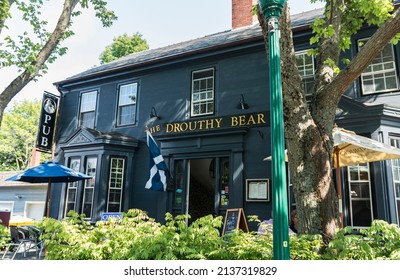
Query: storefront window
[[115, 184], [224, 185], [89, 187], [361, 213], [70, 200]]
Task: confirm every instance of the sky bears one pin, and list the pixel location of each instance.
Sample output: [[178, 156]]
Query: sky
[[160, 22]]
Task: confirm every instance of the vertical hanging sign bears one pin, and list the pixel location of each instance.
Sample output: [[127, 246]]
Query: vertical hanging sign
[[47, 122]]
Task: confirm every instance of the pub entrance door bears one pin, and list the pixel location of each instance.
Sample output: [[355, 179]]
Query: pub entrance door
[[201, 186]]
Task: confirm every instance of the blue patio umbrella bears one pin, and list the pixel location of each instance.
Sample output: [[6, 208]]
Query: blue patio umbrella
[[49, 172]]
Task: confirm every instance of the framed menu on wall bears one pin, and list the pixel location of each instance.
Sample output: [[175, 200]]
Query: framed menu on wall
[[257, 190]]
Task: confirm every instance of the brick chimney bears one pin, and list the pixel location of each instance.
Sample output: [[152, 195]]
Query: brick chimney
[[35, 158], [241, 13]]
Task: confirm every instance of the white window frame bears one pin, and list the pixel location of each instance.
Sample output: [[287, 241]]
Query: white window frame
[[352, 198], [29, 203], [88, 106], [6, 203], [116, 182], [395, 142], [74, 164], [89, 185], [387, 71], [202, 99], [127, 98], [304, 70]]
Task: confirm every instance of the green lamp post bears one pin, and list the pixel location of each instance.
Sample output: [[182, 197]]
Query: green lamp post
[[272, 10]]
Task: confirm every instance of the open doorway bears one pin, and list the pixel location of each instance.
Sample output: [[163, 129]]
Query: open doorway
[[202, 188]]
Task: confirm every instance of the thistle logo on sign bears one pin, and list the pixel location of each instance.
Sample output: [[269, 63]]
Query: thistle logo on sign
[[47, 122]]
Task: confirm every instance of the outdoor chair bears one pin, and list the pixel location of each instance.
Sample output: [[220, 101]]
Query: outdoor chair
[[20, 242]]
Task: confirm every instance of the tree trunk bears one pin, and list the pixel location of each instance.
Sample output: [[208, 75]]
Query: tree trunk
[[308, 128]]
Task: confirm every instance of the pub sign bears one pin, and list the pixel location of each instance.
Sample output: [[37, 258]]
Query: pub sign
[[45, 136]]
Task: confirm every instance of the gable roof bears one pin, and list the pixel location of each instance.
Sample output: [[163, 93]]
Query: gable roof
[[187, 48], [200, 45]]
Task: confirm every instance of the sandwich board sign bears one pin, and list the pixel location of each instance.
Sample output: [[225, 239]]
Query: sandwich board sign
[[234, 219]]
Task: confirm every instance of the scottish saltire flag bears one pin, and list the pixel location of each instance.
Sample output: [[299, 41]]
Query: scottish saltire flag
[[157, 180]]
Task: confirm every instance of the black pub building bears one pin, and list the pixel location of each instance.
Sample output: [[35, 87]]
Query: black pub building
[[206, 103]]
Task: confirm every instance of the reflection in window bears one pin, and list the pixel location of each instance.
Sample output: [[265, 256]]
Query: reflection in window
[[305, 65], [203, 92], [381, 74], [361, 214], [127, 104], [88, 192], [70, 200], [88, 109], [115, 184]]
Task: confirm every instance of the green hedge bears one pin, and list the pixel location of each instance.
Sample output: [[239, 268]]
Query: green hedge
[[139, 237]]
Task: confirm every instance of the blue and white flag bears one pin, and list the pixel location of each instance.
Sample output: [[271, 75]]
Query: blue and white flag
[[157, 180]]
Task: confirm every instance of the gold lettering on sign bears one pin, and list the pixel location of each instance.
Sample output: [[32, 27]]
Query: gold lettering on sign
[[209, 124], [155, 129], [245, 121]]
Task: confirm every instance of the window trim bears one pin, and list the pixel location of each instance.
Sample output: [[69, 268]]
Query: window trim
[[86, 183], [122, 182], [72, 185], [207, 100], [307, 77], [118, 119], [375, 73], [351, 199], [96, 92]]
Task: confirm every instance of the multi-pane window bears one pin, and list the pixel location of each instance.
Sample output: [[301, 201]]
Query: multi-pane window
[[202, 92], [72, 188], [361, 213], [88, 109], [381, 74], [115, 184], [127, 104], [305, 64], [88, 191], [395, 142]]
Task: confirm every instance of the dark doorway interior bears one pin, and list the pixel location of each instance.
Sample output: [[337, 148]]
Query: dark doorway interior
[[202, 188]]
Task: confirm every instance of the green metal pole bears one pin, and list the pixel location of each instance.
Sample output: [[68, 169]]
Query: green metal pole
[[272, 11]]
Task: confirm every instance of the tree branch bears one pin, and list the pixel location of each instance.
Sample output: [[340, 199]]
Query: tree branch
[[364, 57]]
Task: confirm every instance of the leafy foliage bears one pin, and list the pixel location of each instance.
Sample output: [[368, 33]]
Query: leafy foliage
[[18, 135], [139, 237], [380, 241], [356, 13], [4, 236], [122, 46]]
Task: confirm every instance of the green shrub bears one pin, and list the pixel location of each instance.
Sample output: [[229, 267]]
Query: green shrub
[[139, 237], [4, 236], [379, 241]]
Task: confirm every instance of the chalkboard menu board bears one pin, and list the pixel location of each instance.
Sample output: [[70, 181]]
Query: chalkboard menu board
[[234, 219]]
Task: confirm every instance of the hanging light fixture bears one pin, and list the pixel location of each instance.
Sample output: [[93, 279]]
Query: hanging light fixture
[[153, 115]]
